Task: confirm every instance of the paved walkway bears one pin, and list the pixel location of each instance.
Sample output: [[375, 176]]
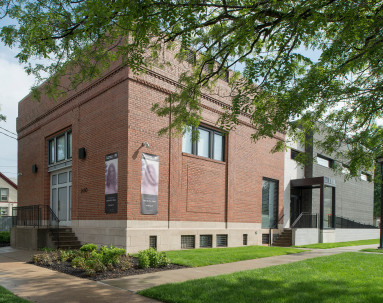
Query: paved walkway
[[140, 282], [42, 285]]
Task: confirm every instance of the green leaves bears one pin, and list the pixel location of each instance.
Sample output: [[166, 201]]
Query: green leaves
[[80, 40]]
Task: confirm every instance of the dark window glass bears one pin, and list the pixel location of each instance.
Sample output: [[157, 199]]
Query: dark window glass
[[294, 154], [244, 239], [227, 75], [153, 242], [328, 208], [269, 203], [188, 241], [205, 241], [221, 240]]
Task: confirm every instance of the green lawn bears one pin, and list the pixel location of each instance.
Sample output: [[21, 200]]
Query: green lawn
[[375, 250], [7, 297], [210, 256], [340, 244], [347, 277]]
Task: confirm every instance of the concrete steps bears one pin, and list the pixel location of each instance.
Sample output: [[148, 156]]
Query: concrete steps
[[65, 238], [285, 239]]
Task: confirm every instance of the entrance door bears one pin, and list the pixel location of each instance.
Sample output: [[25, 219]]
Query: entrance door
[[61, 195]]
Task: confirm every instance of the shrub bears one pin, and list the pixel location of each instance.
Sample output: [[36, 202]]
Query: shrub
[[143, 259], [164, 260], [87, 258], [78, 262], [67, 255], [111, 255], [152, 258], [5, 236], [89, 247]]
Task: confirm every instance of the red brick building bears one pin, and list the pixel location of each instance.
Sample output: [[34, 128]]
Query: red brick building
[[212, 193]]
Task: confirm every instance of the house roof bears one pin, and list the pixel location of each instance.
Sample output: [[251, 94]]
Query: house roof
[[9, 181]]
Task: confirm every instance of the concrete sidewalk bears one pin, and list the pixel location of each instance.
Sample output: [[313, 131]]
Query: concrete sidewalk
[[140, 282], [42, 285]]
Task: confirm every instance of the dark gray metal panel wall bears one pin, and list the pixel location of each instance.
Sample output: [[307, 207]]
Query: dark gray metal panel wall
[[354, 198]]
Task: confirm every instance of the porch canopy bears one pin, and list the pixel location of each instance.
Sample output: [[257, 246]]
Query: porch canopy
[[327, 188]]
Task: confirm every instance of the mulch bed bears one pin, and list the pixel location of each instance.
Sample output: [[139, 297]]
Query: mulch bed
[[65, 267], [4, 244]]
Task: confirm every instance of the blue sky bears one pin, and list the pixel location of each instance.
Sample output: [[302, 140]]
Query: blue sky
[[14, 85]]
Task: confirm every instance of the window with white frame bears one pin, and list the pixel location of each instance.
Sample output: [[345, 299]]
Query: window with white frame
[[60, 147], [4, 194], [211, 143], [4, 211]]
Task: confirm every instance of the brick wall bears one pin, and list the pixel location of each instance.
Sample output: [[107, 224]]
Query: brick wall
[[113, 115]]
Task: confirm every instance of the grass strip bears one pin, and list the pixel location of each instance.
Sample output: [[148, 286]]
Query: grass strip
[[7, 297], [211, 256], [375, 250], [346, 277], [340, 244]]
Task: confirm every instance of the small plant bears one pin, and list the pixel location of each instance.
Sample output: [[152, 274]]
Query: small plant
[[67, 255], [89, 247], [88, 258], [152, 258], [78, 262], [143, 259]]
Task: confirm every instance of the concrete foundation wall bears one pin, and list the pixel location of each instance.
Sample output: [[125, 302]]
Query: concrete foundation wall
[[305, 236], [30, 238], [134, 234], [343, 234]]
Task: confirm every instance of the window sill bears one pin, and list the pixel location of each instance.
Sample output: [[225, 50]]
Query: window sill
[[203, 158]]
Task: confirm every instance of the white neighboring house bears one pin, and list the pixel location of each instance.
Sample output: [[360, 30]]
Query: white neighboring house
[[8, 195]]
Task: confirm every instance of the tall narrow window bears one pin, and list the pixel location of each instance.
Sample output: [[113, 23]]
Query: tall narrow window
[[51, 151], [60, 148], [4, 194], [328, 208], [187, 146], [269, 203], [203, 146], [69, 144]]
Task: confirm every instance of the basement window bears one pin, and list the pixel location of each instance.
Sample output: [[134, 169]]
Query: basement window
[[188, 241], [221, 240], [153, 242], [244, 239], [265, 238], [205, 241]]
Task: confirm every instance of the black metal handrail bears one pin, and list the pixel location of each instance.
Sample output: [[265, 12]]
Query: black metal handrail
[[306, 220], [341, 222], [35, 215]]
